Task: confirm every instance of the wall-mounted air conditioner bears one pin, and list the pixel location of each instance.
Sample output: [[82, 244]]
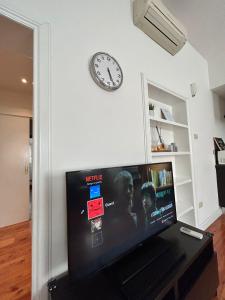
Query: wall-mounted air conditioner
[[152, 17]]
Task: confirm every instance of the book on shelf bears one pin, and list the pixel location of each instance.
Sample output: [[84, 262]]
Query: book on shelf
[[161, 178]]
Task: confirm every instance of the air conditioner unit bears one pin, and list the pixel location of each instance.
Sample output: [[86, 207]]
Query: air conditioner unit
[[152, 17]]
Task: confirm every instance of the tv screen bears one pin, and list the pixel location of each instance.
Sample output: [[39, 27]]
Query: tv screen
[[112, 210]]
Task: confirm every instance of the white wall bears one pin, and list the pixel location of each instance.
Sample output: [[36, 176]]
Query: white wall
[[15, 103], [95, 128], [206, 114], [216, 70], [216, 74]]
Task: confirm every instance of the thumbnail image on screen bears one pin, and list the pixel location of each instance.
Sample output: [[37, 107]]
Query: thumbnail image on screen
[[113, 209]]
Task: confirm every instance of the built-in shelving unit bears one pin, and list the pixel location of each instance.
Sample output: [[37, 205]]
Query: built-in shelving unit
[[174, 130]]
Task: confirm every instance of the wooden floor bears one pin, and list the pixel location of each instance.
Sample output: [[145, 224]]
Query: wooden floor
[[15, 262], [218, 228]]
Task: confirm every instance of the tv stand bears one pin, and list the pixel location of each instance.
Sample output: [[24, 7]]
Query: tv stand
[[193, 276], [146, 277], [155, 253]]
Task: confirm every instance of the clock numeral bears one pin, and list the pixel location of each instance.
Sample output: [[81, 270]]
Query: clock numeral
[[117, 69], [108, 58], [96, 65], [99, 60], [119, 75], [117, 81], [98, 73], [103, 58]]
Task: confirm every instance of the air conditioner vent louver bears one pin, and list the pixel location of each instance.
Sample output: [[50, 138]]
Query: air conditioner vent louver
[[154, 19], [158, 29]]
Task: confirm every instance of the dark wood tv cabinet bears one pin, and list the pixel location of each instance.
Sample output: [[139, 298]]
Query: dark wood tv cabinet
[[195, 277]]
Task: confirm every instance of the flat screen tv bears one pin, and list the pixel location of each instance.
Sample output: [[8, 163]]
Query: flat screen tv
[[111, 211]]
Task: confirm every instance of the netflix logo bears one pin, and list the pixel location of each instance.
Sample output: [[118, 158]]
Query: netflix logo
[[94, 178]]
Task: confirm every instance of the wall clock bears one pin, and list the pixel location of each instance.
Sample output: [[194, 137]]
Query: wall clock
[[106, 71]]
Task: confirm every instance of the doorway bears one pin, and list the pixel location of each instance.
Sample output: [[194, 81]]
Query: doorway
[[16, 114], [42, 170]]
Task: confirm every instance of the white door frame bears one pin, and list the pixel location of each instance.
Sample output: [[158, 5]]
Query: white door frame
[[41, 201]]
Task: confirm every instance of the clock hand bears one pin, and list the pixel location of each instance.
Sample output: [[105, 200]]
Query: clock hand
[[110, 76]]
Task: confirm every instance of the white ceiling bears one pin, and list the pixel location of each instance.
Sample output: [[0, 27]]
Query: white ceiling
[[205, 23], [16, 56]]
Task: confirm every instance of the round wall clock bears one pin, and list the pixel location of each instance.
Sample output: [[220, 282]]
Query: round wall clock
[[106, 71]]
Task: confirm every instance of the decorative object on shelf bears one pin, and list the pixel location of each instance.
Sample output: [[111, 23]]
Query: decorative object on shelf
[[172, 147], [151, 110], [166, 114], [106, 71], [169, 148], [154, 148], [160, 146]]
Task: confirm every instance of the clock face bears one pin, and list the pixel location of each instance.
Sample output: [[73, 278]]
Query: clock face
[[106, 71]]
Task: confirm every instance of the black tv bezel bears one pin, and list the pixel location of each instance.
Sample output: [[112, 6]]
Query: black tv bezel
[[141, 243]]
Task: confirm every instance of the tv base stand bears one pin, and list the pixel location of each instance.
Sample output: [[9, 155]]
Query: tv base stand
[[133, 273], [194, 276]]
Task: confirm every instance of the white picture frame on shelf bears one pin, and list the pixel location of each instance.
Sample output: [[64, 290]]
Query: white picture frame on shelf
[[166, 114]]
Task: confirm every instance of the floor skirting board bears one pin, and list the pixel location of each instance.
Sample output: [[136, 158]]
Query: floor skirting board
[[212, 218]]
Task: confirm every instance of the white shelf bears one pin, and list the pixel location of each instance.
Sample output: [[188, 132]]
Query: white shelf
[[155, 154], [162, 121], [173, 97], [176, 131], [186, 211], [181, 181]]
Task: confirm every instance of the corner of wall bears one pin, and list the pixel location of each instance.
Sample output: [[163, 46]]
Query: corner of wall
[[212, 218]]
